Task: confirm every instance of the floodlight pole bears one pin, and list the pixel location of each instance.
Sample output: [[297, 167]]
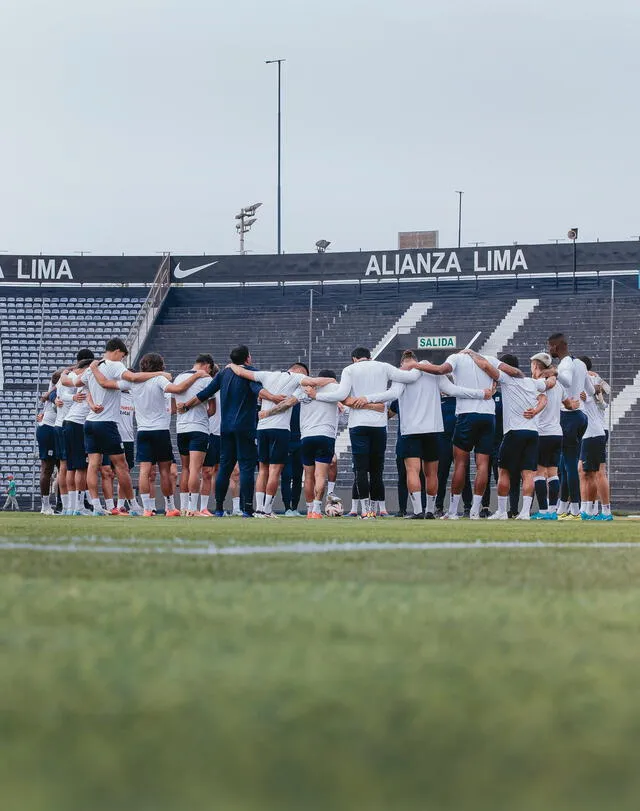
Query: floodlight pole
[[311, 291], [611, 313], [279, 63], [459, 193]]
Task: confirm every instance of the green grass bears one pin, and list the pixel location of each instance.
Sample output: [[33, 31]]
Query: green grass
[[445, 680]]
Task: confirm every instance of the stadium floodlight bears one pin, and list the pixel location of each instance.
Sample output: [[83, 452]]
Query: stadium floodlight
[[246, 220], [572, 233], [322, 245]]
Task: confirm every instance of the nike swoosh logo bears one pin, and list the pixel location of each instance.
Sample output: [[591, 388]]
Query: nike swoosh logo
[[182, 274]]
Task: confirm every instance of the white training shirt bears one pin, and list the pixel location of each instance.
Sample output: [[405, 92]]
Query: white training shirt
[[549, 417], [127, 410], [150, 403], [318, 418], [573, 375], [214, 419], [78, 412], [420, 402], [108, 398], [278, 383], [595, 425], [518, 395], [467, 374], [48, 413], [64, 393], [362, 379], [196, 418]]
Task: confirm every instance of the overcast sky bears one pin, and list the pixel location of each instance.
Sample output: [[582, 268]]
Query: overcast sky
[[144, 125]]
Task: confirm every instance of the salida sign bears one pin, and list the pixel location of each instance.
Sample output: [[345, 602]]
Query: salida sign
[[492, 260], [437, 342]]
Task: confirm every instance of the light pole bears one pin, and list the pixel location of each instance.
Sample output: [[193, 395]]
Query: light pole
[[459, 193], [572, 234], [246, 219], [279, 62]]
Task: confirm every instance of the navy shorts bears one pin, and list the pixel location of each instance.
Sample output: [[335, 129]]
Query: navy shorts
[[519, 451], [549, 450], [593, 453], [192, 441], [318, 449], [273, 446], [61, 448], [574, 424], [213, 451], [129, 455], [46, 436], [475, 432], [103, 438], [74, 445], [420, 446], [155, 446], [366, 440]]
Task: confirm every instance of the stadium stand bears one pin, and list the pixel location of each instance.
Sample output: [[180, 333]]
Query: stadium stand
[[67, 320], [274, 320]]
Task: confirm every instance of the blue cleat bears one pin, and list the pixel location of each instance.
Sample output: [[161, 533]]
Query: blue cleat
[[603, 517], [550, 517], [587, 517], [248, 515], [219, 514]]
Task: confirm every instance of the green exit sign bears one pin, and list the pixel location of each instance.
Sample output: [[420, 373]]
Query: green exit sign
[[437, 342]]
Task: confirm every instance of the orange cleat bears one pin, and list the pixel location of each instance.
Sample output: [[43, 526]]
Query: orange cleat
[[315, 516], [172, 514], [203, 514], [149, 513]]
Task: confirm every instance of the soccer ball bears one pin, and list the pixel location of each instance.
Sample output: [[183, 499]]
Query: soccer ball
[[334, 508]]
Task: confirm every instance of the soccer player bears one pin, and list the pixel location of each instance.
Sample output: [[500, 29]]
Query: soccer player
[[546, 481], [212, 457], [421, 426], [273, 429], [475, 428], [46, 438], [573, 376], [403, 492], [149, 398], [291, 479], [73, 426], [101, 427], [192, 428], [523, 398], [593, 450], [239, 412], [367, 429]]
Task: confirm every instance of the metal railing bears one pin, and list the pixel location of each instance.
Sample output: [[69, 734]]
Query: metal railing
[[149, 310]]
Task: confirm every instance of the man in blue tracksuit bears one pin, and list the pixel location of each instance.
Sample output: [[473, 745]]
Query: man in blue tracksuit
[[239, 416]]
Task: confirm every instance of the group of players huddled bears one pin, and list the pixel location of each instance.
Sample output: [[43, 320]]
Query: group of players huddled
[[550, 438]]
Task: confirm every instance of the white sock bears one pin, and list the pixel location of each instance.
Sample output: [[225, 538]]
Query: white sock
[[236, 504], [454, 504], [73, 499], [260, 502], [122, 503], [317, 507], [354, 505], [553, 508], [382, 507], [575, 508], [204, 500], [502, 504], [562, 507], [588, 508], [431, 503], [309, 507], [331, 486], [109, 503], [167, 503], [416, 501], [594, 508], [193, 502], [169, 500], [184, 501], [95, 503], [606, 509], [476, 505], [526, 505], [367, 505], [268, 504], [65, 501], [147, 503]]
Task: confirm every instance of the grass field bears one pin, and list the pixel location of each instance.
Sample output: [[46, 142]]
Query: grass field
[[157, 675]]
